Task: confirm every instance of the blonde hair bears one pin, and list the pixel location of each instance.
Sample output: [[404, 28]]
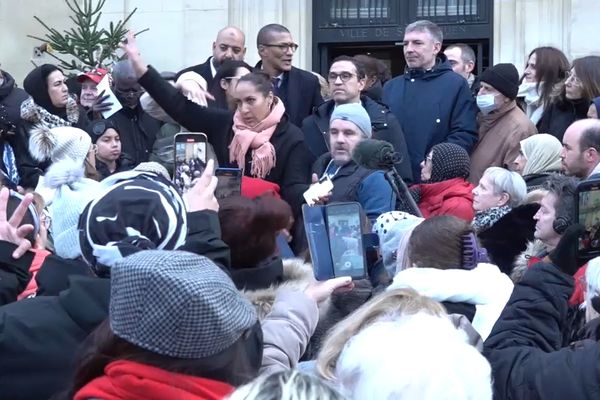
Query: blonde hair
[[402, 260], [286, 385], [393, 303]]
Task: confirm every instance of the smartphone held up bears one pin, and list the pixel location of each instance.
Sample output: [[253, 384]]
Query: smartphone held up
[[190, 159]]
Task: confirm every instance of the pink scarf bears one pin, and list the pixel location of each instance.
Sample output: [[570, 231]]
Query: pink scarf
[[258, 139]]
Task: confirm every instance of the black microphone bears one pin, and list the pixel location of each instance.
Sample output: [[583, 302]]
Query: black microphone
[[379, 154]]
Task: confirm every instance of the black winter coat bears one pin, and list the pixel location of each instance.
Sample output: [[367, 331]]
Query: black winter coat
[[560, 114], [292, 169], [508, 237], [11, 98], [525, 346], [40, 337], [385, 127], [14, 274], [203, 70], [300, 92], [137, 131]]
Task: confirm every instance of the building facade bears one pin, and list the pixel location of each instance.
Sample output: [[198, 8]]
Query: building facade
[[182, 31]]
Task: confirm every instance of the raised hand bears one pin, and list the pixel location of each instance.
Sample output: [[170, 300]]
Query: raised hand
[[10, 231], [130, 47]]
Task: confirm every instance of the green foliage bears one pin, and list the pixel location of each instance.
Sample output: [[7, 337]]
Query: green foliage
[[90, 46]]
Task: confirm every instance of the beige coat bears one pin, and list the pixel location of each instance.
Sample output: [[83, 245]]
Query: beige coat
[[500, 134]]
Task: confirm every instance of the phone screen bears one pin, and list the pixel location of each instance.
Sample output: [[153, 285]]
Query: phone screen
[[230, 182], [589, 216], [345, 240], [190, 159]]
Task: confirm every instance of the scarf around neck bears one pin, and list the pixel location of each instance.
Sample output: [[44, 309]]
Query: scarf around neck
[[256, 138], [36, 114], [485, 219]]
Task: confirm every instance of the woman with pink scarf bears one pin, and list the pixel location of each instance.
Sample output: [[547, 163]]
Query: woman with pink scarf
[[257, 137]]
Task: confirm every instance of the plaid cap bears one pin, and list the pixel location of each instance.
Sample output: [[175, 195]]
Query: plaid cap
[[177, 304], [95, 75]]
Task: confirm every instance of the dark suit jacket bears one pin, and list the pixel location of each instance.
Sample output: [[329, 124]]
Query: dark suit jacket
[[203, 69], [300, 92]]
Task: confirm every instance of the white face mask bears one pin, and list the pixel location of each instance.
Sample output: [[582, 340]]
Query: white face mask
[[486, 103]]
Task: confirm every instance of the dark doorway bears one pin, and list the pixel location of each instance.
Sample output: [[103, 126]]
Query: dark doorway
[[376, 28]]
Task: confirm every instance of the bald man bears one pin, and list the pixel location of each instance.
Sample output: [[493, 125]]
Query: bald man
[[581, 149], [229, 45]]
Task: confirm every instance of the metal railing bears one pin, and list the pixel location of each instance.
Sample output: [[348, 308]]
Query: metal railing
[[449, 11], [361, 12]]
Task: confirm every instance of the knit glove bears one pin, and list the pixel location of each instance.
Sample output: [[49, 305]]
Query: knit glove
[[100, 104]]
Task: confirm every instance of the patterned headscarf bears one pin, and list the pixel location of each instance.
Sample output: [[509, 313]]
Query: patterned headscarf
[[137, 211], [449, 161]]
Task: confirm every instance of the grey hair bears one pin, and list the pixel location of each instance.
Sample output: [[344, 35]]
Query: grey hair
[[123, 71], [509, 182], [466, 52], [286, 385], [426, 26]]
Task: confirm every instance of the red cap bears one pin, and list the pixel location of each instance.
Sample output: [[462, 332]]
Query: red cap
[[94, 75], [254, 187]]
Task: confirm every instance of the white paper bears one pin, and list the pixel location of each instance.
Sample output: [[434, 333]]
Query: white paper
[[104, 85]]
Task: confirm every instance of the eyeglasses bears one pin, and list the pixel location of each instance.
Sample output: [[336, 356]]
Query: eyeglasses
[[46, 219], [573, 78], [344, 76], [283, 46]]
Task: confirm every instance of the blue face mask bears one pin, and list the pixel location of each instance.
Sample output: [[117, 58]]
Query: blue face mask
[[486, 103]]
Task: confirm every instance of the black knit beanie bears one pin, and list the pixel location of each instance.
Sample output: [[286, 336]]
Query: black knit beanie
[[449, 161], [36, 86], [504, 78]]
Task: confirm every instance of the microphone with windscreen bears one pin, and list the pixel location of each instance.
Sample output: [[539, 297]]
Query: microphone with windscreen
[[379, 154]]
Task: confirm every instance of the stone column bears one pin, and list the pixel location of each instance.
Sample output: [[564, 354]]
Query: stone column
[[522, 25]]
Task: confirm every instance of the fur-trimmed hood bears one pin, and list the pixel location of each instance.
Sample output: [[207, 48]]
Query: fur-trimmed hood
[[297, 275], [485, 287], [534, 249], [508, 237]]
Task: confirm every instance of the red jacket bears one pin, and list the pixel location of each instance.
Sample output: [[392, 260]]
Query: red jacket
[[451, 197], [128, 380]]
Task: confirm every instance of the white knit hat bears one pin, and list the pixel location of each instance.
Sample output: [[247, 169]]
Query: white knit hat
[[72, 194], [59, 143]]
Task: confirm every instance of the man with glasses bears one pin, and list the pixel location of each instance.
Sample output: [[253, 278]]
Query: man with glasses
[[347, 79], [432, 103], [137, 129], [229, 45], [298, 89]]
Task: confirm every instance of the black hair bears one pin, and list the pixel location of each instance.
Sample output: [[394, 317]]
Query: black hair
[[374, 67], [590, 137], [563, 188], [226, 70], [236, 365], [261, 81], [360, 67], [264, 34], [551, 67]]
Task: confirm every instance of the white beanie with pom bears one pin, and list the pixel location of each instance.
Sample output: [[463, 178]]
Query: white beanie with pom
[[72, 194], [59, 143]]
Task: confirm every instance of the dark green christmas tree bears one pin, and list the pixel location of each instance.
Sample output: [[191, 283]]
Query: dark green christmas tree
[[89, 45]]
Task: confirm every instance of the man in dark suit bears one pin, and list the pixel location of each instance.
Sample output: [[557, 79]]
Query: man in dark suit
[[298, 89], [229, 45]]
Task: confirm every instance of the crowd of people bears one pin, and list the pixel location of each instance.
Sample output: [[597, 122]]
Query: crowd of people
[[122, 276]]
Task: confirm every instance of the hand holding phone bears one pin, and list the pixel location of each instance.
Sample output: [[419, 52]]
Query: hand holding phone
[[587, 208], [230, 182], [201, 195], [190, 159], [318, 191]]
